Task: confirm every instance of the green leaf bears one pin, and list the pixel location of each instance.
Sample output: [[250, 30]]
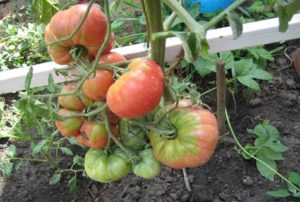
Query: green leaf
[[28, 79], [205, 66], [264, 170], [78, 160], [270, 153], [294, 178], [249, 82], [286, 9], [235, 24], [7, 169], [73, 184], [228, 59], [11, 151], [55, 179], [44, 10], [38, 147], [279, 193], [66, 151], [193, 45], [18, 165], [51, 84], [188, 55], [259, 52], [260, 74]]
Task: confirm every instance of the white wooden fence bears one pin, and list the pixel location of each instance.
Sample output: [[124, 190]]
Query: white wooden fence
[[256, 33]]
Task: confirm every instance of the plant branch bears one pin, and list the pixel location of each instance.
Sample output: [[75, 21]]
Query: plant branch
[[153, 11]]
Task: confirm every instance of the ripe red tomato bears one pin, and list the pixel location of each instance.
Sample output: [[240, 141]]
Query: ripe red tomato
[[138, 91], [96, 88], [195, 141], [69, 127], [63, 23], [70, 101]]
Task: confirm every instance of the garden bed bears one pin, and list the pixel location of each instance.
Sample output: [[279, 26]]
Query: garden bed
[[226, 177]]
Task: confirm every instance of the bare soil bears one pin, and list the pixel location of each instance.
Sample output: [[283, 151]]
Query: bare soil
[[227, 177]]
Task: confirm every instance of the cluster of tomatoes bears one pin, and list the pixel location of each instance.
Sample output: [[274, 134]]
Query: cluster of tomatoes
[[178, 136]]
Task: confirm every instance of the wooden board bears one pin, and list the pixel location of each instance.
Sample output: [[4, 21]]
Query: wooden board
[[255, 33]]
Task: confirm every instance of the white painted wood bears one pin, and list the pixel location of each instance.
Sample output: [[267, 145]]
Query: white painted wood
[[256, 33]]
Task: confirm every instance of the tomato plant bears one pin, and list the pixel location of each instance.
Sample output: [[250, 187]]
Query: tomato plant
[[138, 91], [195, 141], [69, 126], [64, 23], [106, 167]]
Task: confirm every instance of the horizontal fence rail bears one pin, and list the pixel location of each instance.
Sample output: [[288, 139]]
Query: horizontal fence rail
[[255, 33]]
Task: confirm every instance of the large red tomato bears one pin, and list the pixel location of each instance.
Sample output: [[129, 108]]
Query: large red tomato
[[90, 35], [69, 127], [70, 101], [96, 88], [195, 139], [138, 91]]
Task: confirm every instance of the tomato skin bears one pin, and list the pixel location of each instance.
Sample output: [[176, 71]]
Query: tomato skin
[[96, 88], [69, 127], [63, 23], [149, 167], [93, 134], [72, 102], [138, 91], [103, 167], [197, 136], [132, 137]]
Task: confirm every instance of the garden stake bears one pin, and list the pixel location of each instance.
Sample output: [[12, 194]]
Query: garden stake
[[221, 96]]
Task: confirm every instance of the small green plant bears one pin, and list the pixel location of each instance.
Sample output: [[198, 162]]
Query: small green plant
[[267, 147], [294, 178], [23, 45]]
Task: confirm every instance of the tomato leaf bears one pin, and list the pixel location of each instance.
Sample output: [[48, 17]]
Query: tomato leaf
[[55, 179], [264, 170], [78, 160], [38, 147], [51, 85], [66, 151], [28, 79], [44, 10], [249, 82], [279, 193], [11, 151], [286, 10], [73, 184], [7, 169], [235, 24]]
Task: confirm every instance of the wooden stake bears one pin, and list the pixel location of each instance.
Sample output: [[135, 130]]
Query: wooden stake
[[221, 96]]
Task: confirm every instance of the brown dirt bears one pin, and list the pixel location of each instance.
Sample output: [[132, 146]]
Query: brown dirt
[[227, 177]]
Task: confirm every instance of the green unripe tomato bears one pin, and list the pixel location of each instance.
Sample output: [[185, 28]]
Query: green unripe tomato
[[103, 167], [149, 167]]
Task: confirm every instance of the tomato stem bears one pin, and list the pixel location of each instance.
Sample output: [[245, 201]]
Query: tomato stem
[[130, 154], [153, 13]]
